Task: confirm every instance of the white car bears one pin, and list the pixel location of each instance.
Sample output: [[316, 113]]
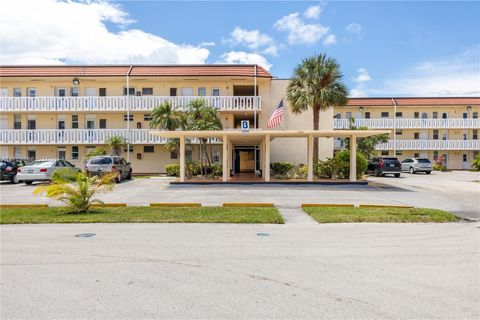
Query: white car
[[42, 170]]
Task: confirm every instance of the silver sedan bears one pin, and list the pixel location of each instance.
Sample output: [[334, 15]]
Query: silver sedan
[[41, 170]]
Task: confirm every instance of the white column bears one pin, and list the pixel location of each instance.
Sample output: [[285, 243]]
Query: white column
[[267, 157], [310, 158], [353, 158], [182, 159], [225, 159]]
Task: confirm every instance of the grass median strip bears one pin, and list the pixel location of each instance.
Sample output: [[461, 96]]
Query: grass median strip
[[141, 215], [377, 214]]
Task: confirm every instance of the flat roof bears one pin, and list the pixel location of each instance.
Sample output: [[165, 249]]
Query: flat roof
[[272, 133]]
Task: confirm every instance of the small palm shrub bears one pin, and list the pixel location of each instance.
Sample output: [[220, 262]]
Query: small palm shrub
[[97, 152], [172, 170], [476, 163], [281, 168], [439, 167], [77, 189]]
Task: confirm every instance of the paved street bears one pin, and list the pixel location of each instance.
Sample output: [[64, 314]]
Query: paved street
[[380, 271], [452, 191]]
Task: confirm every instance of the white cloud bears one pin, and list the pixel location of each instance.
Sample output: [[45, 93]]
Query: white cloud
[[330, 40], [253, 39], [207, 44], [245, 58], [313, 12], [362, 76], [56, 32], [354, 28], [357, 93], [298, 31]]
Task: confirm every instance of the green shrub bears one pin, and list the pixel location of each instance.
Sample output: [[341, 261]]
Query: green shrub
[[342, 164], [476, 163], [173, 170], [217, 170], [301, 171], [281, 168], [325, 169], [192, 168], [96, 152], [439, 167]]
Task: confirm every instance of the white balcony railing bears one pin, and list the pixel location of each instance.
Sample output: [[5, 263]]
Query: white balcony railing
[[120, 104], [452, 123], [430, 145], [80, 136]]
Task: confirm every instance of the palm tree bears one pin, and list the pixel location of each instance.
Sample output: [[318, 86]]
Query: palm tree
[[116, 143], [77, 189], [164, 117], [316, 84]]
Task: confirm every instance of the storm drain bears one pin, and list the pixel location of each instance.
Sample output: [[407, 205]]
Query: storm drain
[[262, 234], [85, 235]]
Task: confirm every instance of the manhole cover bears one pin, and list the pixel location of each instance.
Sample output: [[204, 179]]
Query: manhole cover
[[262, 234], [85, 235]]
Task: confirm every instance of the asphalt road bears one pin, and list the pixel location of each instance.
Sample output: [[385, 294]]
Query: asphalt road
[[185, 271], [452, 191]]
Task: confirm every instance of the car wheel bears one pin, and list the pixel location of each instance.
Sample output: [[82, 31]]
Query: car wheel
[[377, 173], [14, 179], [118, 179], [129, 175], [412, 171], [28, 182], [428, 172], [397, 175]]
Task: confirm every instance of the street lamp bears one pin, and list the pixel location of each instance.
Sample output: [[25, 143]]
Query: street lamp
[[76, 81]]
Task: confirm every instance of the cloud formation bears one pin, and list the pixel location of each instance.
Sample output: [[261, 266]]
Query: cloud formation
[[313, 12], [299, 32], [354, 28], [254, 40], [58, 32], [244, 58]]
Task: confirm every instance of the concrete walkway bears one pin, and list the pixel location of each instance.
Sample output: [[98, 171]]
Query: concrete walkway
[[295, 215]]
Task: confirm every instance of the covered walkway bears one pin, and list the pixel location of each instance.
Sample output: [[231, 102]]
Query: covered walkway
[[262, 138]]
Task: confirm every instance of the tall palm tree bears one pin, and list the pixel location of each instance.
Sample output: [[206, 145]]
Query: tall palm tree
[[165, 117], [316, 84]]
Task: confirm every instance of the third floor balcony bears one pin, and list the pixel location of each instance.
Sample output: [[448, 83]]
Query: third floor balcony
[[122, 103], [452, 123]]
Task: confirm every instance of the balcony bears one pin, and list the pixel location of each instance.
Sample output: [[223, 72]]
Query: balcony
[[120, 104], [453, 123], [430, 145]]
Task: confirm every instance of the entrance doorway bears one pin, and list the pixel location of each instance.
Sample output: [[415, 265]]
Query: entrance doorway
[[246, 159]]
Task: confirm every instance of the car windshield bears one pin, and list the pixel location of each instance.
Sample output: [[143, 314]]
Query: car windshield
[[101, 160], [423, 161], [41, 164], [390, 160]]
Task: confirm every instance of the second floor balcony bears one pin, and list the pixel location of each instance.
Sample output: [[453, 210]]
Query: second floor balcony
[[123, 103], [422, 145], [403, 123]]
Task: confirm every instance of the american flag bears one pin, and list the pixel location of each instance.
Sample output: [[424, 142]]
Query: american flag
[[276, 117]]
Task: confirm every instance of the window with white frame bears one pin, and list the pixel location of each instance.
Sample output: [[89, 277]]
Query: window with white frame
[[74, 91], [147, 91], [475, 134], [202, 91], [17, 121], [147, 117], [129, 117], [31, 92], [74, 152], [17, 92], [384, 114], [216, 92], [74, 121]]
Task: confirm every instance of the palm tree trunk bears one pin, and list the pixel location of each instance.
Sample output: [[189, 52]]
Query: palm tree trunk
[[316, 118]]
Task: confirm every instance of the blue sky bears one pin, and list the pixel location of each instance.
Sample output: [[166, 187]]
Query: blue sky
[[384, 47]]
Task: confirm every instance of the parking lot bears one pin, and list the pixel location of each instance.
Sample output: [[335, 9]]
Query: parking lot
[[454, 191]]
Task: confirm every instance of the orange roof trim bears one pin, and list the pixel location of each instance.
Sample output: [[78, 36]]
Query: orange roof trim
[[137, 70]]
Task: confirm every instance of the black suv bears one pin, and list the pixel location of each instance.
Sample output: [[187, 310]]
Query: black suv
[[8, 169], [381, 166]]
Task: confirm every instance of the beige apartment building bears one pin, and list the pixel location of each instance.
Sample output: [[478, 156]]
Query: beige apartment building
[[420, 127], [66, 111]]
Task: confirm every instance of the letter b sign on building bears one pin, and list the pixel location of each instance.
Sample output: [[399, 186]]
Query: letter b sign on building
[[245, 125]]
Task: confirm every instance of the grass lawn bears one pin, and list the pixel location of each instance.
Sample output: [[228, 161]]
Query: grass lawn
[[350, 214], [141, 214]]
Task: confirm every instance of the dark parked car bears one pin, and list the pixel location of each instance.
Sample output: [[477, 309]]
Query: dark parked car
[[380, 166], [8, 169]]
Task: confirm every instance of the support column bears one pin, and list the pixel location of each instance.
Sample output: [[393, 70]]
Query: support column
[[353, 158], [225, 159], [310, 158], [267, 157], [182, 159]]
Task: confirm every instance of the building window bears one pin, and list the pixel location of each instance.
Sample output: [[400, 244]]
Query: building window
[[130, 148], [475, 134], [398, 132], [435, 115], [202, 91], [384, 114], [102, 123], [74, 91], [17, 121], [216, 92], [74, 121], [348, 115], [475, 115], [367, 115], [435, 134], [444, 136], [147, 117], [416, 155], [398, 153], [148, 149], [173, 92], [399, 114], [465, 115], [416, 115], [130, 117], [102, 92], [174, 155], [74, 153], [444, 115], [17, 92], [416, 135], [31, 154], [31, 92], [216, 156], [338, 116], [464, 158], [147, 91], [131, 91], [384, 153]]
